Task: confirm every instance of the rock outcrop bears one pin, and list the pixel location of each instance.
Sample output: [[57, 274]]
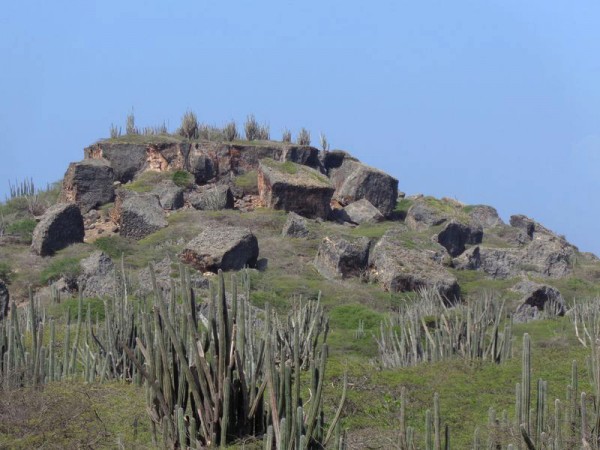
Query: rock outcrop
[[341, 258], [483, 216], [141, 215], [4, 300], [295, 226], [362, 211], [293, 187], [225, 248], [424, 214], [97, 279], [400, 269], [354, 181], [541, 297], [456, 235], [170, 196], [89, 184], [212, 199], [60, 226]]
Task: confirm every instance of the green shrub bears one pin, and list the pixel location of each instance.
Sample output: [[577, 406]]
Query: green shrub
[[189, 126], [67, 267], [113, 246], [303, 137], [23, 228], [71, 306], [251, 128], [6, 272], [183, 179]]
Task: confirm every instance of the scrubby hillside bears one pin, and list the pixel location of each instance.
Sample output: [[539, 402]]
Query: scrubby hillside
[[420, 296]]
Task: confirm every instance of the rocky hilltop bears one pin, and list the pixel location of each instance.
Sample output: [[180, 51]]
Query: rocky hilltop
[[131, 188]]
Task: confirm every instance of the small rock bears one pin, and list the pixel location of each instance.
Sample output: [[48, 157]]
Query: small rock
[[213, 199], [295, 226], [169, 195], [362, 211], [141, 215], [456, 235], [339, 258]]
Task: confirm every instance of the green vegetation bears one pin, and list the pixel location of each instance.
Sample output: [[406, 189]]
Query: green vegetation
[[403, 206], [114, 246], [67, 267], [247, 181], [147, 181], [22, 228], [189, 126], [183, 179], [303, 137], [251, 128], [6, 272]]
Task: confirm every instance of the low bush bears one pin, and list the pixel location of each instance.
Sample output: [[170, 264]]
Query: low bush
[[183, 179], [286, 136], [303, 137], [230, 131], [251, 128], [6, 272], [67, 267], [22, 228], [189, 126]]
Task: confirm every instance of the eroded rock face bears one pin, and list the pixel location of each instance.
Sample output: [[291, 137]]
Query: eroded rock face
[[141, 215], [97, 279], [295, 226], [456, 235], [302, 154], [225, 248], [89, 184], [523, 223], [60, 226], [212, 199], [334, 159], [362, 211], [169, 195], [340, 258], [401, 269], [4, 300], [540, 297], [294, 187], [354, 181]]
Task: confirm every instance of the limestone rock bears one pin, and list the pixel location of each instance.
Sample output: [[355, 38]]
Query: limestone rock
[[212, 199], [4, 300], [540, 297], [334, 159], [202, 166], [225, 248], [97, 279], [294, 187], [456, 235], [302, 154], [483, 216], [169, 195], [89, 184], [295, 226], [362, 211], [399, 268], [60, 226], [141, 215], [354, 181], [340, 258], [422, 214]]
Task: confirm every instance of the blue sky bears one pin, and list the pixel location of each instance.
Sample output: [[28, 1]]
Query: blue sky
[[494, 102]]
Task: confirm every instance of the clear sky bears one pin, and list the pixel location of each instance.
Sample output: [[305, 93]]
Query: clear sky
[[494, 102]]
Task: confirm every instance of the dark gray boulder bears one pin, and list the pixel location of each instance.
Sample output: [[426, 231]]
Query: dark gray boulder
[[89, 184], [483, 216], [341, 258], [202, 166], [302, 154], [354, 181], [212, 199], [456, 235], [225, 248], [125, 159], [294, 187], [362, 211], [295, 226], [97, 279], [523, 223], [60, 226], [141, 215], [334, 159], [169, 195], [542, 297], [4, 300], [400, 268]]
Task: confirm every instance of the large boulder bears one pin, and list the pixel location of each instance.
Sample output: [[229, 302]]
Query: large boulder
[[523, 223], [302, 154], [354, 181], [400, 268], [362, 211], [169, 195], [334, 159], [60, 226], [541, 297], [426, 212], [4, 300], [483, 216], [225, 248], [496, 262], [341, 258], [141, 215], [89, 184], [97, 278], [456, 235], [295, 226], [294, 187], [202, 165], [212, 199]]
